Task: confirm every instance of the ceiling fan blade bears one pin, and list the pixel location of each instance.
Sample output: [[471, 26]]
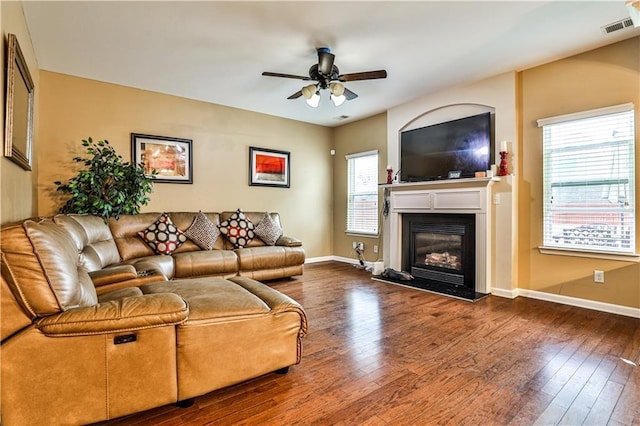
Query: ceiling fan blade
[[296, 95], [349, 94], [277, 74], [367, 75], [325, 62]]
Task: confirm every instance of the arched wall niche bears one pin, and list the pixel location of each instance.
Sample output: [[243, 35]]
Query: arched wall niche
[[447, 113]]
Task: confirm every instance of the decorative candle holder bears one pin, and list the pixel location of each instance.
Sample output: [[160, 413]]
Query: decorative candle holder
[[503, 164], [389, 176]]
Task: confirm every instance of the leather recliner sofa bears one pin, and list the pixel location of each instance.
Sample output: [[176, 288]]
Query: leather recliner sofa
[[117, 257], [72, 356]]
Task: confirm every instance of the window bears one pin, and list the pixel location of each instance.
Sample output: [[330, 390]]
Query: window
[[362, 193], [588, 175]]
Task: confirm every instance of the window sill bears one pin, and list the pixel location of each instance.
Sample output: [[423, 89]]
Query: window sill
[[362, 234], [590, 254]]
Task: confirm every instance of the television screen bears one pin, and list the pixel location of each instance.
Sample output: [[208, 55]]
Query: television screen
[[430, 153]]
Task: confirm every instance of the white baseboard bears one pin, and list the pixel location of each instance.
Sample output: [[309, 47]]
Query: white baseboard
[[319, 259], [337, 259], [581, 303], [509, 294], [532, 294]]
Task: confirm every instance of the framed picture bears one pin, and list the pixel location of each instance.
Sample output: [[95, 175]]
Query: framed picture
[[18, 124], [171, 158], [268, 167]]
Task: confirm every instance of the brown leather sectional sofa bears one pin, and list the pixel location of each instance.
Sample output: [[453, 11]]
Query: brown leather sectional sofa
[[75, 352], [115, 254]]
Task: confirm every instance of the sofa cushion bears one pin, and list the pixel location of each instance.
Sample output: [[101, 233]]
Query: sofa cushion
[[222, 263], [203, 232], [162, 235], [93, 239], [238, 229], [268, 230], [210, 299], [262, 258]]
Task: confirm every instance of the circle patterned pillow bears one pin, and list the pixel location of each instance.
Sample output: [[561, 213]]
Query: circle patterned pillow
[[238, 229], [163, 236]]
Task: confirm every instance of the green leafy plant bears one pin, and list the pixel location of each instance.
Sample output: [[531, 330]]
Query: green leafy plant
[[106, 186]]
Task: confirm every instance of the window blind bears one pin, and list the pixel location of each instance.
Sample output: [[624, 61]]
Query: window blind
[[362, 193], [589, 180]]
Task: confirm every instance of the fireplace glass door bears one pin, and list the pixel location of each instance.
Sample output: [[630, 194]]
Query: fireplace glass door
[[438, 250]]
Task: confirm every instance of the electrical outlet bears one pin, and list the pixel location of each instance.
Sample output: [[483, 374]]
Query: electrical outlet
[[360, 246], [375, 249], [354, 244], [598, 276]]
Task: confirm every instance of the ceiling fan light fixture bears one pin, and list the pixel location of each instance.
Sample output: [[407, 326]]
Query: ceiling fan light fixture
[[338, 100], [309, 91], [337, 89], [337, 93], [314, 100]]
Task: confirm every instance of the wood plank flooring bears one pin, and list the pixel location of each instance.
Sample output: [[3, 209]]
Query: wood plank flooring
[[381, 354]]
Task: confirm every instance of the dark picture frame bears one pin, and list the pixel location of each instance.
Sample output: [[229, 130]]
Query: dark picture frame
[[269, 167], [171, 158], [18, 124]]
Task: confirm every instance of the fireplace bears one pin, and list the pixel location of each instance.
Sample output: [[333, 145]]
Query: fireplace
[[440, 249], [455, 218]]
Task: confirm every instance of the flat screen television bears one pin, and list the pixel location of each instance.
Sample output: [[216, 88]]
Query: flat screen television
[[430, 153]]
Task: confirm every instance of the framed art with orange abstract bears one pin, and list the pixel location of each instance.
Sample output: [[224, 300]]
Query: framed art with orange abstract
[[170, 158], [268, 167]]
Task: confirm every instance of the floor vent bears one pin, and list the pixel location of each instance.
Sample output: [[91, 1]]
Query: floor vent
[[616, 26]]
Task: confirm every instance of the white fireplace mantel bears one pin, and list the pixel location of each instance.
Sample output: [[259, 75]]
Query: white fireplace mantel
[[470, 196]]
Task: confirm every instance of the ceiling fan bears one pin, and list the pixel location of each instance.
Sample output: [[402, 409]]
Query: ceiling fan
[[327, 76]]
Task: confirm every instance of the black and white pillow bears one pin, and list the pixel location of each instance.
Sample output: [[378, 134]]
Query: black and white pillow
[[162, 235], [268, 230], [238, 229], [203, 232]]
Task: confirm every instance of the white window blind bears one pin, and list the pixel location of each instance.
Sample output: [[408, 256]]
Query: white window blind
[[589, 176], [362, 193]]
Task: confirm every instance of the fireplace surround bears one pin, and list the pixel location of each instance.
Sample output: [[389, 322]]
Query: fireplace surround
[[444, 200]]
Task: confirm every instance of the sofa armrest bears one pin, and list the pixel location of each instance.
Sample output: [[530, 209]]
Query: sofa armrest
[[126, 314], [146, 268], [288, 242], [113, 274]]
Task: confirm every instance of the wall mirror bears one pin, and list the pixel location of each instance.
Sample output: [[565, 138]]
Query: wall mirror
[[18, 125]]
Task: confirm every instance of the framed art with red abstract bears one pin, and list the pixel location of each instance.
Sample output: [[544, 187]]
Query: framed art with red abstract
[[268, 167]]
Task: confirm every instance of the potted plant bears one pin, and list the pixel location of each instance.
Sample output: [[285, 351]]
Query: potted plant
[[107, 186]]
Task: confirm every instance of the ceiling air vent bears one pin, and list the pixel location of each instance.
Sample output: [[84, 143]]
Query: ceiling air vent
[[341, 117], [616, 26]]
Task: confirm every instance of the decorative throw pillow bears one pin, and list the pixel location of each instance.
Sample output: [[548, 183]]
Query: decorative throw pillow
[[268, 230], [203, 232], [163, 236], [238, 229]]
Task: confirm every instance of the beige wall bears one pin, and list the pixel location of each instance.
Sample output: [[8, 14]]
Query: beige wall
[[363, 135], [599, 78], [74, 109], [18, 186]]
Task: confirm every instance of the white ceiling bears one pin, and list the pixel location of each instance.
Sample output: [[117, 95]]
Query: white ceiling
[[216, 51]]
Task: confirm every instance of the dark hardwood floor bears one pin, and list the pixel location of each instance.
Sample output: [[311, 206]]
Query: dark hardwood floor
[[380, 354]]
